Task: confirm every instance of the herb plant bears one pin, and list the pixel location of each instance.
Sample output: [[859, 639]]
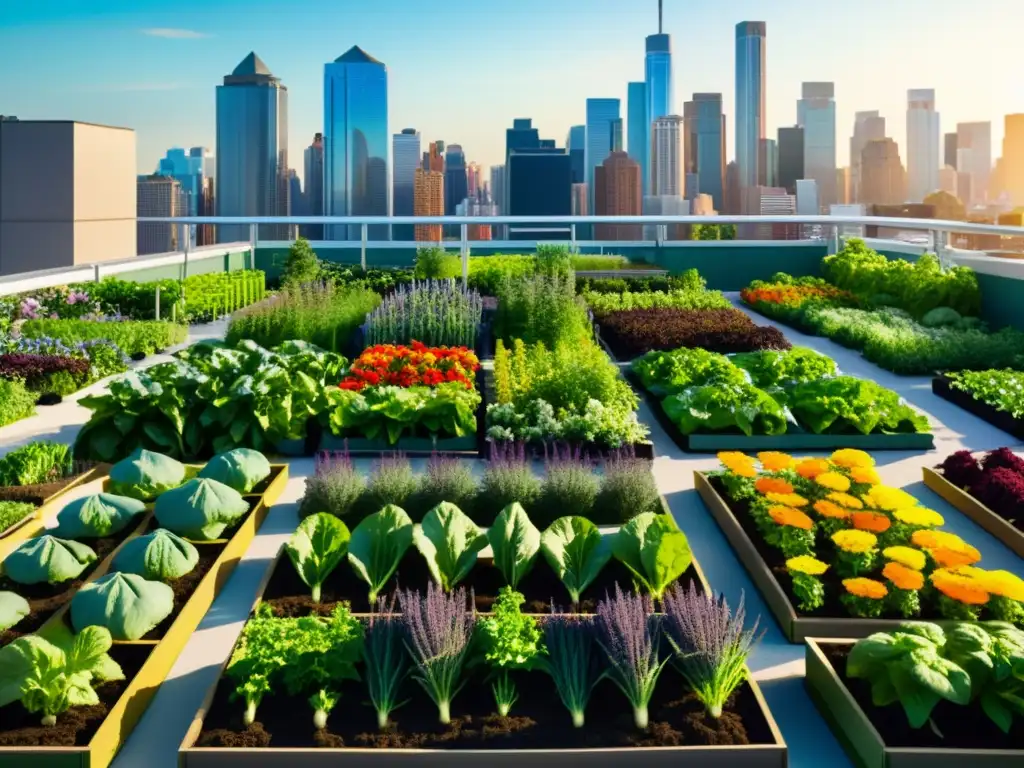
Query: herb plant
[[317, 547], [1003, 390], [511, 641], [13, 512], [386, 660], [335, 487], [435, 312], [16, 402], [572, 660]]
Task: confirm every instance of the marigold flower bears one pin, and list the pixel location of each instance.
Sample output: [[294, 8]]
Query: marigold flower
[[920, 516], [812, 566], [958, 587], [811, 468], [787, 499], [869, 588], [833, 481], [889, 499], [851, 457], [772, 485], [826, 508], [791, 517], [1002, 583], [738, 463], [865, 475], [903, 577], [928, 539], [911, 558], [854, 541], [953, 558], [775, 461], [846, 500], [871, 521]]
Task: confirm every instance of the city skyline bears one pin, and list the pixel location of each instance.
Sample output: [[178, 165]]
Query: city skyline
[[187, 63]]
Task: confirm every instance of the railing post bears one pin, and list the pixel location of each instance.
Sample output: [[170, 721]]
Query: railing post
[[572, 238], [362, 251], [835, 239], [465, 255], [156, 309], [939, 240], [253, 237]]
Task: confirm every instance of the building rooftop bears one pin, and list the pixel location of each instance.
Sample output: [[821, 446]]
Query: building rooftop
[[251, 65], [356, 55]]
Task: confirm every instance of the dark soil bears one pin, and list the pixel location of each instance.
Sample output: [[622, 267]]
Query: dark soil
[[137, 356], [538, 720], [961, 727], [36, 494], [19, 728], [44, 600], [261, 487], [289, 595]]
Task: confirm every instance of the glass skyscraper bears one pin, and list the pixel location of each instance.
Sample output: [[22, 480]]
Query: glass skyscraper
[[405, 155], [658, 76], [252, 150], [356, 142], [750, 98], [601, 114], [637, 127], [456, 186], [706, 125], [922, 144], [189, 168], [576, 143], [816, 114]]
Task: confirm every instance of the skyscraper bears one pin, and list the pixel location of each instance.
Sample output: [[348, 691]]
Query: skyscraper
[[356, 142], [949, 150], [600, 115], [768, 163], [313, 166], [667, 173], [617, 192], [190, 169], [540, 184], [252, 149], [807, 198], [816, 114], [1012, 165], [976, 138], [867, 126], [405, 156], [658, 79], [791, 157], [428, 200], [576, 143], [883, 180], [498, 187], [456, 187], [750, 98], [922, 144], [704, 146], [637, 130], [473, 182], [159, 196], [617, 145]]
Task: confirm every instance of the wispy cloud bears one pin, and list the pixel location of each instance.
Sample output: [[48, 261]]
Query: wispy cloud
[[173, 33]]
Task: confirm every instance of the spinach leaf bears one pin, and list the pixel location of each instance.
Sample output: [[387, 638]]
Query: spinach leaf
[[378, 544], [654, 549], [450, 542], [515, 542], [315, 549], [576, 551]]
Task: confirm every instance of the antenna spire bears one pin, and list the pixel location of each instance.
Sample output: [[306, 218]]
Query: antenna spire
[[659, 17]]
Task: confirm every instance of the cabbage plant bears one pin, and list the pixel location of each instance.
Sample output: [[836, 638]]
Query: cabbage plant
[[160, 556], [145, 475], [13, 608], [96, 516], [124, 603], [201, 509], [47, 559], [242, 469]]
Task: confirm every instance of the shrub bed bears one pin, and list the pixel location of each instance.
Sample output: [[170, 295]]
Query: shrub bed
[[133, 337], [46, 374], [16, 402]]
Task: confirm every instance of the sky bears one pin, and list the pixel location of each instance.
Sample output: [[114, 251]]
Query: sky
[[462, 70]]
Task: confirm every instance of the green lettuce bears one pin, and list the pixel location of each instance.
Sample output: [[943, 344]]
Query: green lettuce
[[242, 469], [47, 559], [515, 542], [654, 549], [447, 410], [160, 555], [124, 603], [725, 407], [450, 543], [145, 475], [378, 545], [576, 551], [316, 548], [771, 368], [201, 509], [847, 405], [96, 516]]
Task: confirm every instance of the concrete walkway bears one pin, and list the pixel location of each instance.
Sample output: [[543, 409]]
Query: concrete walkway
[[777, 664]]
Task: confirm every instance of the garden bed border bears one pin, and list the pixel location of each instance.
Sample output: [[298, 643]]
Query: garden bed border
[[964, 502], [942, 387], [23, 530]]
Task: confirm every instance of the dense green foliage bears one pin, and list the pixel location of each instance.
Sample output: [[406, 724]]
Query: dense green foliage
[[1003, 390], [97, 516], [133, 337], [301, 265], [16, 402], [436, 264], [41, 461], [603, 303], [316, 548], [201, 509], [145, 475], [13, 512]]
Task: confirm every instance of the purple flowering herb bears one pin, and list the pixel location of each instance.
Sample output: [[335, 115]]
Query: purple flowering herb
[[710, 644], [571, 660], [439, 632], [386, 660], [630, 634]]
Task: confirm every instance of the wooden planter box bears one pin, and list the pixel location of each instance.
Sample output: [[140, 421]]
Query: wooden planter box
[[21, 530], [861, 739], [998, 526], [1000, 419], [795, 627], [123, 716]]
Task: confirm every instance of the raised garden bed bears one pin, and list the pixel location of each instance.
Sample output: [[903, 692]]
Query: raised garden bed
[[879, 737], [1000, 419], [44, 497]]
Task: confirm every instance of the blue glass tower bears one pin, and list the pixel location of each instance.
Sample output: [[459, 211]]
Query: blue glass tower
[[456, 186], [576, 143], [750, 98], [252, 149], [356, 142], [601, 114], [707, 145], [638, 132], [190, 169], [540, 184]]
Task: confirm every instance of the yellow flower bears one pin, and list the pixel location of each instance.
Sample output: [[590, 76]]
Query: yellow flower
[[912, 558], [811, 468], [1002, 583], [851, 458], [827, 508], [874, 590], [787, 499], [857, 542], [889, 499], [928, 539], [806, 564], [864, 475], [833, 481], [738, 463], [919, 516], [845, 500], [959, 587], [774, 461]]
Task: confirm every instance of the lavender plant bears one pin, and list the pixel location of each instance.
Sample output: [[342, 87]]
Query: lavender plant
[[335, 487], [570, 485], [507, 479], [435, 312], [446, 479], [627, 489], [439, 632], [631, 638], [571, 660], [386, 660], [392, 481], [711, 647]]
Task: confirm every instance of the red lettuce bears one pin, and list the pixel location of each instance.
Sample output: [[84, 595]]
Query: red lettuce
[[961, 469]]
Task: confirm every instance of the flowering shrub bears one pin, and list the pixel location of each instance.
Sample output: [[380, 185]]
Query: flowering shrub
[[786, 299], [853, 546], [410, 366], [62, 303]]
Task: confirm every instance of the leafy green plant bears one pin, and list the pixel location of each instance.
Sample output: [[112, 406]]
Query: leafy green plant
[[157, 556], [576, 552], [571, 660], [511, 641], [201, 509], [13, 608], [317, 547], [725, 407], [605, 303], [540, 308], [16, 402], [242, 469], [133, 337], [388, 412], [845, 404], [301, 266], [97, 516], [13, 512], [124, 603], [992, 654], [386, 660], [1003, 390], [771, 368], [47, 560], [450, 542], [145, 475], [41, 461], [655, 551], [378, 545], [515, 542], [665, 373], [436, 263]]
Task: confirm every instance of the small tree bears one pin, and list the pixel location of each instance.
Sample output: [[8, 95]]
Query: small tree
[[301, 266], [947, 206]]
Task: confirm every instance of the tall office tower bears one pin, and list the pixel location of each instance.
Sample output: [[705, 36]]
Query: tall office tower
[[206, 233], [356, 143], [1012, 165], [808, 202], [637, 130], [433, 158], [405, 158], [867, 126], [190, 169], [843, 185], [658, 80], [768, 163], [540, 184], [791, 157], [883, 180], [428, 200], [576, 143], [977, 139], [295, 197], [949, 150], [313, 167], [617, 192], [667, 173], [455, 185], [750, 99], [617, 135], [498, 187], [704, 146], [474, 186], [922, 144], [252, 150], [816, 114], [733, 196], [158, 196], [601, 113], [768, 201], [579, 199]]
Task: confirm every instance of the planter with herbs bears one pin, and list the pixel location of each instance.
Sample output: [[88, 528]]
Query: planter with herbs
[[988, 488], [837, 554], [504, 687], [924, 696], [116, 634], [993, 396]]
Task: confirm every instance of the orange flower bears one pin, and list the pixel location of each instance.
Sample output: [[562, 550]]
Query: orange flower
[[738, 463], [869, 588], [846, 500], [828, 509], [772, 485], [811, 468], [903, 577], [963, 589], [952, 558], [871, 521], [791, 517], [787, 499], [774, 461], [865, 475]]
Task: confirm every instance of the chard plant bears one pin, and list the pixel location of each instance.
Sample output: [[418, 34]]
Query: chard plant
[[439, 632], [378, 545], [630, 634], [386, 661], [576, 551], [511, 641], [317, 547], [515, 542], [710, 644], [572, 660], [654, 550], [450, 542]]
